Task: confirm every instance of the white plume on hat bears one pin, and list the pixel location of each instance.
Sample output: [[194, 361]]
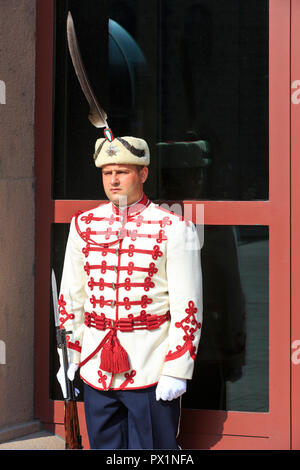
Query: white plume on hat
[[121, 150]]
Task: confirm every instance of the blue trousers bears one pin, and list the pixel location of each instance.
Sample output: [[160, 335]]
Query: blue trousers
[[130, 419]]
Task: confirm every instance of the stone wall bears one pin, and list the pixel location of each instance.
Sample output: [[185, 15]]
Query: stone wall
[[17, 215]]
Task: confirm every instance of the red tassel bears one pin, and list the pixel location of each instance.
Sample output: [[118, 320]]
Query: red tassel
[[120, 358], [107, 362], [114, 358]]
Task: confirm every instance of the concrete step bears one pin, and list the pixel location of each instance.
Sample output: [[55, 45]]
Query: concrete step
[[41, 440]]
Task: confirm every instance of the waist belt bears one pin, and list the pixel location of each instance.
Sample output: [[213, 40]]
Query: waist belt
[[114, 358], [141, 322]]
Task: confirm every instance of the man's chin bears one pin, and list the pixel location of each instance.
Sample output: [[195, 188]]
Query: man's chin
[[118, 198]]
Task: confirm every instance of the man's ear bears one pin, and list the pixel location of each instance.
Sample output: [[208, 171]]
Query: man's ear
[[144, 174]]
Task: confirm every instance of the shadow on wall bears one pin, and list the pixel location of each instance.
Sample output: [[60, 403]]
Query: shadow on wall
[[203, 433]]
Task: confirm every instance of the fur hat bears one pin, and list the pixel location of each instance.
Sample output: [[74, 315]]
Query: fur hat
[[121, 150]]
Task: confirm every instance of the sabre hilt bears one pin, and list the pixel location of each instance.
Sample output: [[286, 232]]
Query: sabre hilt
[[61, 338]]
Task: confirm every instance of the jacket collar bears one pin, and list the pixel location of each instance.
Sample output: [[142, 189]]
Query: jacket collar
[[134, 209]]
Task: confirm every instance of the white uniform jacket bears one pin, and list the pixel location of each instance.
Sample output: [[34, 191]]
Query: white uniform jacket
[[131, 295]]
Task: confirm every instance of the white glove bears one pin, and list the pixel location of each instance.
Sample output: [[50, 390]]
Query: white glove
[[61, 375], [169, 388]]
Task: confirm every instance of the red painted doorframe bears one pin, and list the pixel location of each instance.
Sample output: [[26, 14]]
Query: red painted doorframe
[[295, 223], [199, 429]]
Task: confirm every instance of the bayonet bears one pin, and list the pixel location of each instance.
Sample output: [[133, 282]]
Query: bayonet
[[55, 299]]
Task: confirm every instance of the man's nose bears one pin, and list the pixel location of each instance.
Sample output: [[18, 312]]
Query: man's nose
[[114, 179]]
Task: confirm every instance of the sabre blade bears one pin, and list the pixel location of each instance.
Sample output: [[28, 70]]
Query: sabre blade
[[55, 299]]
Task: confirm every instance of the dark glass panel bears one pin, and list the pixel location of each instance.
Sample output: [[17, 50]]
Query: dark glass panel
[[170, 72], [232, 365]]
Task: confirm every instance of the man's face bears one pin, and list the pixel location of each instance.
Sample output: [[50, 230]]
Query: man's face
[[123, 184]]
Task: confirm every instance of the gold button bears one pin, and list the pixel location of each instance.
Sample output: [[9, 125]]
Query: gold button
[[113, 303], [114, 286]]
